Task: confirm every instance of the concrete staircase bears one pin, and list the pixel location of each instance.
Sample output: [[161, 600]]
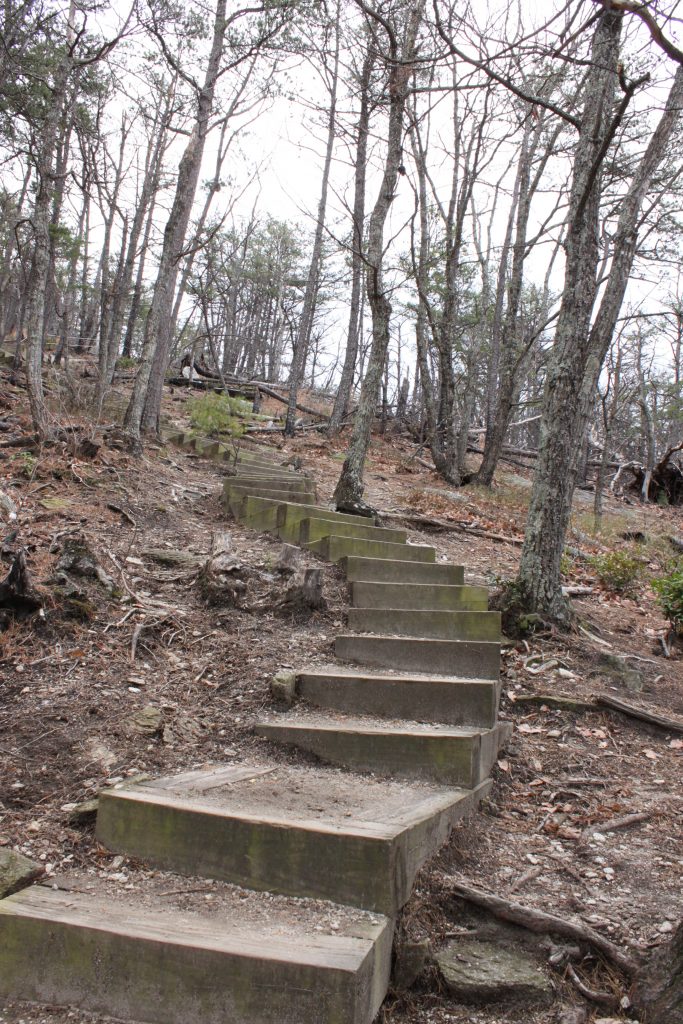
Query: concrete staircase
[[340, 847]]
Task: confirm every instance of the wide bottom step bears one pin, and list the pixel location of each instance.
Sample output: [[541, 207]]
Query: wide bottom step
[[250, 960]]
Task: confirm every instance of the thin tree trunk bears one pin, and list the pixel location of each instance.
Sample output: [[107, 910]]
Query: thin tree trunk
[[312, 282], [349, 490], [343, 396]]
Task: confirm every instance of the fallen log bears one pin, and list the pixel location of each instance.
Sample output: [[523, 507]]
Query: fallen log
[[543, 923], [285, 401]]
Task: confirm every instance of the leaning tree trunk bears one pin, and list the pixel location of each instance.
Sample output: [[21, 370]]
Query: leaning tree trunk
[[312, 283], [348, 493]]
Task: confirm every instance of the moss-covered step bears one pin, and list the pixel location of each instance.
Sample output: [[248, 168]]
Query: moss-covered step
[[383, 570], [294, 486], [469, 659], [314, 529], [250, 960], [280, 514], [335, 548], [416, 697], [236, 494], [447, 755], [431, 624], [418, 595], [306, 831]]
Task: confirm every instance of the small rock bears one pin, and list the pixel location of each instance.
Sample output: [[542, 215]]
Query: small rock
[[482, 972], [148, 721], [283, 687], [83, 813], [17, 872]]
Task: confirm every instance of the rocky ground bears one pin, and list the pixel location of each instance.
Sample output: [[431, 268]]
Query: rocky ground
[[131, 671]]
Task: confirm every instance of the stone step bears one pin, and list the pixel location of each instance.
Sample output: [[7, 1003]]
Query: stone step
[[469, 659], [335, 548], [385, 570], [434, 625], [418, 595], [449, 701], [247, 962], [314, 529], [313, 832], [237, 494], [447, 755]]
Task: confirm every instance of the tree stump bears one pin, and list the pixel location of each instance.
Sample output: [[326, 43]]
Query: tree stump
[[18, 597]]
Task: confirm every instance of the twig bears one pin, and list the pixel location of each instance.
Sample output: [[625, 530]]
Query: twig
[[615, 823], [444, 524], [540, 922], [595, 639], [527, 876], [122, 511]]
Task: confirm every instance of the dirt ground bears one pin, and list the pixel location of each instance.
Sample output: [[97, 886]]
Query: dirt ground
[[73, 684]]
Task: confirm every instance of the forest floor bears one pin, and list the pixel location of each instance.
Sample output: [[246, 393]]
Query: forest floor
[[148, 678]]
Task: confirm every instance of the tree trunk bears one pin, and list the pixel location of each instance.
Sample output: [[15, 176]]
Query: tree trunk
[[343, 396], [550, 505]]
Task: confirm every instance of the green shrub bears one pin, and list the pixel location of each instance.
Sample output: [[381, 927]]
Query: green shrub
[[617, 570], [218, 414], [125, 363], [670, 591]]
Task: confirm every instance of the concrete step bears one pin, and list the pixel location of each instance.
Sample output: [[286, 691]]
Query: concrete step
[[418, 595], [250, 960], [447, 755], [237, 494], [314, 529], [449, 701], [335, 548], [435, 625], [469, 659], [313, 832], [385, 570]]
